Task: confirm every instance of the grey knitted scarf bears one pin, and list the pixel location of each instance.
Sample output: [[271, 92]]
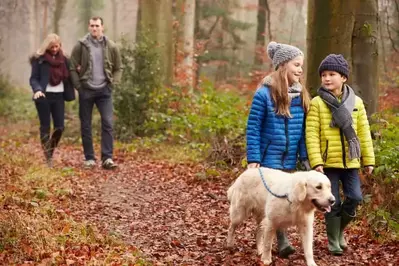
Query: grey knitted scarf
[[342, 116], [293, 91]]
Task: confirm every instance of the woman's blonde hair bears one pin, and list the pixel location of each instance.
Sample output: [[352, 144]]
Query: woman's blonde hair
[[279, 92], [51, 38]]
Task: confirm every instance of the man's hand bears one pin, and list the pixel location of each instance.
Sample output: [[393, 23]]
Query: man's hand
[[368, 169], [253, 165], [38, 94]]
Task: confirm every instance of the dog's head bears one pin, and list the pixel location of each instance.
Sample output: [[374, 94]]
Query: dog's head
[[315, 188]]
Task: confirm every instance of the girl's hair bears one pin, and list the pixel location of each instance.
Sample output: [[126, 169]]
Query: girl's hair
[[51, 38], [279, 92]]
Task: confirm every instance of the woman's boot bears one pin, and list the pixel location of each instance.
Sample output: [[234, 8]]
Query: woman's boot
[[45, 140], [284, 247], [54, 140]]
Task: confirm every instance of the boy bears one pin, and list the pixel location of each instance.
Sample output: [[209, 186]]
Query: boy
[[338, 141]]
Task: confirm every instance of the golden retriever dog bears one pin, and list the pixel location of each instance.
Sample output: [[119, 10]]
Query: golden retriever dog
[[296, 197]]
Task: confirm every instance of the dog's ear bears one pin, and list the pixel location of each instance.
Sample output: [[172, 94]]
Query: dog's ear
[[299, 191]]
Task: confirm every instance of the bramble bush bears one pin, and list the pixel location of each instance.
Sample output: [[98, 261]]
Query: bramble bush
[[141, 77]]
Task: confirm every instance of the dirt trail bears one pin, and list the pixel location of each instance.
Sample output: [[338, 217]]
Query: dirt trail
[[176, 220]]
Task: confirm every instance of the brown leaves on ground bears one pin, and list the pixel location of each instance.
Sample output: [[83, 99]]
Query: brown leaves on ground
[[175, 216]]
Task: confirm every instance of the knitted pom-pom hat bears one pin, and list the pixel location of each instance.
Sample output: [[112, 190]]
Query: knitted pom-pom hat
[[280, 53]]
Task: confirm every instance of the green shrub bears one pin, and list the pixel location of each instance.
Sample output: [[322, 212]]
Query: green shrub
[[382, 188], [208, 120], [141, 77], [15, 103], [5, 86]]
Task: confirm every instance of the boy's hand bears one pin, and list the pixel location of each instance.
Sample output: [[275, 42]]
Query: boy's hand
[[253, 165], [320, 169], [368, 169]]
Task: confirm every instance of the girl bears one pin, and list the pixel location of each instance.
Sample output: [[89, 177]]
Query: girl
[[275, 129], [338, 141], [51, 86]]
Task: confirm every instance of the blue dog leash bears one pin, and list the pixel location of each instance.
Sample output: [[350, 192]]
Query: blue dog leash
[[271, 192]]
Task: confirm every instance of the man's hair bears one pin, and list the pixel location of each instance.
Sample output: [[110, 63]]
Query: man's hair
[[97, 18]]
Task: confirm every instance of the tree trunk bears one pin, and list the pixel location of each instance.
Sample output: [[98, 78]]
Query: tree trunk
[[245, 11], [114, 19], [365, 53], [189, 24], [351, 31], [59, 7], [156, 15], [45, 14]]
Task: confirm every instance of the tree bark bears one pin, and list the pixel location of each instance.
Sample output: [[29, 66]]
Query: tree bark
[[156, 15], [114, 19], [348, 28], [365, 53], [188, 48], [59, 7], [45, 12]]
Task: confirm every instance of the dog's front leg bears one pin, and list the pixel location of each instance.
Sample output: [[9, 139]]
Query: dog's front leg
[[306, 231], [268, 236]]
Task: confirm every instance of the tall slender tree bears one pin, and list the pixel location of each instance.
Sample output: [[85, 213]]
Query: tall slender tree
[[156, 16], [59, 8], [189, 24]]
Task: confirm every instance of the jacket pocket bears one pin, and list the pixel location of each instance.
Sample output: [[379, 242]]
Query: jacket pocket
[[325, 153], [265, 151]]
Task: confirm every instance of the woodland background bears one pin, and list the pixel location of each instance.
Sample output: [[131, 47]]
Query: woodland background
[[191, 68]]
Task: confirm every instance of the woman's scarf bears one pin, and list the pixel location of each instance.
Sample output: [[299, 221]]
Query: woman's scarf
[[58, 67]]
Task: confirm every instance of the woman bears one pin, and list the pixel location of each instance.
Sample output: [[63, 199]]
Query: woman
[[275, 130], [51, 86]]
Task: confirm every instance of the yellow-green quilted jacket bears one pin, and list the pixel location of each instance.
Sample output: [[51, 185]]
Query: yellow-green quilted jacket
[[327, 146]]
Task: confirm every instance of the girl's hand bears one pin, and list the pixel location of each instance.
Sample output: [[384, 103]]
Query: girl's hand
[[38, 94], [253, 165], [320, 169], [368, 169]]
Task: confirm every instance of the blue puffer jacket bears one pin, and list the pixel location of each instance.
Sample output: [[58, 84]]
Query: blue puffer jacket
[[273, 140]]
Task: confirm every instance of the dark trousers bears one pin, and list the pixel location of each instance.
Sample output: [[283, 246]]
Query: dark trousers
[[51, 106], [103, 100], [351, 187]]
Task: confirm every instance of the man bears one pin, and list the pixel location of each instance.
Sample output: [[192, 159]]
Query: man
[[95, 68]]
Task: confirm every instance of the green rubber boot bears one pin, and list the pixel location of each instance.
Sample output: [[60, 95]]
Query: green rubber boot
[[284, 247], [345, 220], [333, 225]]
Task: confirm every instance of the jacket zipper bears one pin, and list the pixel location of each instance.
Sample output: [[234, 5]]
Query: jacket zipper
[[325, 154], [343, 148], [286, 142], [265, 151]]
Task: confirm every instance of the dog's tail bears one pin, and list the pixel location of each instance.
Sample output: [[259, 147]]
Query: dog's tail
[[230, 192]]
